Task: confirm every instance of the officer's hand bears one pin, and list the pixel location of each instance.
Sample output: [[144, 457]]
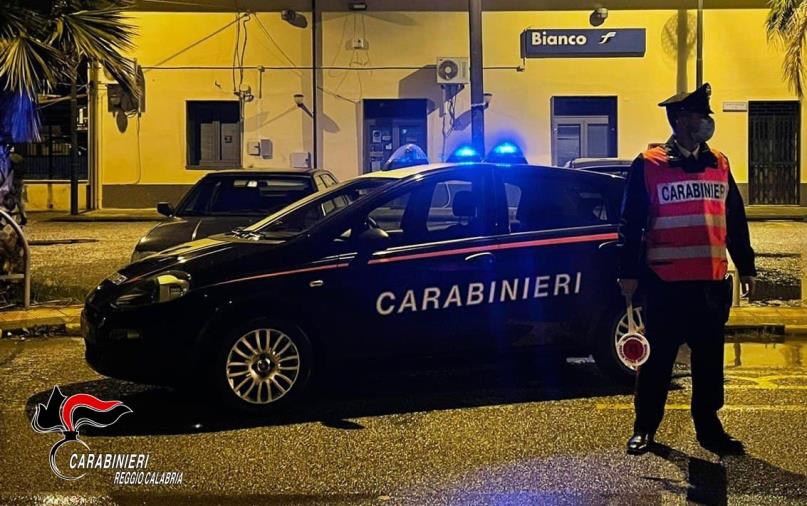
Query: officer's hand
[[628, 286], [747, 285]]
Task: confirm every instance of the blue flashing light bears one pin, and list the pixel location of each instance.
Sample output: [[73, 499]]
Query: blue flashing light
[[464, 153], [505, 148], [407, 155], [506, 152]]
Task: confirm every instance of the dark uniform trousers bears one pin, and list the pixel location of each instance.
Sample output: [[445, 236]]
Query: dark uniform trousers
[[692, 312]]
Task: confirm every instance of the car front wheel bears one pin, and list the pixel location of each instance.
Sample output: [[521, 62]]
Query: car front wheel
[[262, 366]]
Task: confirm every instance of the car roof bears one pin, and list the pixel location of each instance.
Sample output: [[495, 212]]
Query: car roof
[[264, 172], [582, 163], [433, 167]]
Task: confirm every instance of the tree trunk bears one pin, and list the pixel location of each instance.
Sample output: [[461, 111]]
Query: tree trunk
[[74, 160]]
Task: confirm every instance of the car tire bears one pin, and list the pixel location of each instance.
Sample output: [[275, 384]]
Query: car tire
[[605, 351], [262, 366]]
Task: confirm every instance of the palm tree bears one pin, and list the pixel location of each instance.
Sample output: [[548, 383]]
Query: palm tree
[[42, 44], [787, 23]]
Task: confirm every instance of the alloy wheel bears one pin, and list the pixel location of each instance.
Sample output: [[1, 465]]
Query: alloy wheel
[[263, 366]]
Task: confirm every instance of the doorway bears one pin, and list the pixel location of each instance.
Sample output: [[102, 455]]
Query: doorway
[[389, 124], [773, 152]]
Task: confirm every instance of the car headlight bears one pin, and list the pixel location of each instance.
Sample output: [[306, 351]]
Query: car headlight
[[157, 289]]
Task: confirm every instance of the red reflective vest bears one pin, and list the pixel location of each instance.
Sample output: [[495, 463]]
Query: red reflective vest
[[686, 235]]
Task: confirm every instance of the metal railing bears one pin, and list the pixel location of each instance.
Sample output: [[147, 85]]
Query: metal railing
[[26, 275]]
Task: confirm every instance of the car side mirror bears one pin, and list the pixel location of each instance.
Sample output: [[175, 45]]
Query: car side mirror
[[371, 240], [165, 209]]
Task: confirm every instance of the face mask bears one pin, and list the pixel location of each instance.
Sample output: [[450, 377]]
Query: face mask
[[704, 131]]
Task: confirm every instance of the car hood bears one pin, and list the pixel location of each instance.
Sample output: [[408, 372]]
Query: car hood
[[181, 230]]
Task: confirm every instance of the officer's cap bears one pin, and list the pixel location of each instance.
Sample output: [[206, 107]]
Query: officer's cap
[[696, 101]]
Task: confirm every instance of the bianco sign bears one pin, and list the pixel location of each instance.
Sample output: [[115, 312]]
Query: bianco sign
[[585, 42]]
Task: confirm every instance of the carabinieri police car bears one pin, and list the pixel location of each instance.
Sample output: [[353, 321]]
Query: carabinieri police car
[[465, 255]]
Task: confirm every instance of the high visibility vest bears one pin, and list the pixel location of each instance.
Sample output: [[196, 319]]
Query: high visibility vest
[[686, 234]]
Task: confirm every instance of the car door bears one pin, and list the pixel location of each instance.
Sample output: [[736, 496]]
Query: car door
[[411, 296], [551, 226]]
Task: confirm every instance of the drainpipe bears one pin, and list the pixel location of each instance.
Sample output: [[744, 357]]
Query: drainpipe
[[699, 62], [316, 20], [93, 200], [477, 84]]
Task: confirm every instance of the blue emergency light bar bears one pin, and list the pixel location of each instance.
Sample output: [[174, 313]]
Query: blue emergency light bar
[[464, 153], [506, 152]]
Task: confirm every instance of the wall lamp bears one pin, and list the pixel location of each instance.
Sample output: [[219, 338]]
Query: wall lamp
[[357, 6], [299, 101]]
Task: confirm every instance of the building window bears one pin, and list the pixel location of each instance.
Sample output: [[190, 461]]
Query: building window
[[583, 127], [214, 134]]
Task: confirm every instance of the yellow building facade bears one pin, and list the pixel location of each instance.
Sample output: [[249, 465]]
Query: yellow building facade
[[188, 58]]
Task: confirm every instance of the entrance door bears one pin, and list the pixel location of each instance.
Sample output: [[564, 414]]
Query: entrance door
[[579, 137], [773, 152], [389, 124]]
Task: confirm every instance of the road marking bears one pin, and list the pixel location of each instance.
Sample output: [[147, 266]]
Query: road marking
[[768, 382], [765, 387], [730, 407]]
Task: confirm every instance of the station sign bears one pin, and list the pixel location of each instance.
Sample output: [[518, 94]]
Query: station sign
[[582, 43]]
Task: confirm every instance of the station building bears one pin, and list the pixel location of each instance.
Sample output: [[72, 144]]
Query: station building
[[273, 84]]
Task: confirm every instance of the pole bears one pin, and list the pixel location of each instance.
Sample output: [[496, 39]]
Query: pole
[[477, 76], [315, 21], [699, 67], [74, 143]]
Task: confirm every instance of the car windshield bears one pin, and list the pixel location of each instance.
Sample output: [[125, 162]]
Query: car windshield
[[312, 210], [247, 195]]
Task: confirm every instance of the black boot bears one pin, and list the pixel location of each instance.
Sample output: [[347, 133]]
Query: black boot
[[639, 443]]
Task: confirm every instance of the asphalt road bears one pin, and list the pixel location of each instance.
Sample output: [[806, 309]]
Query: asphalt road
[[476, 431]]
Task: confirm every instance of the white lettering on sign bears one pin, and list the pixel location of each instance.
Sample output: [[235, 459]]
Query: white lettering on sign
[[507, 290], [686, 191], [542, 39]]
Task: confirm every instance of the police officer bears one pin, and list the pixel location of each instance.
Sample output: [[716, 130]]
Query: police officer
[[680, 213]]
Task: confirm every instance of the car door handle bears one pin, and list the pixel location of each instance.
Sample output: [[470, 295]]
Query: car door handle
[[316, 283], [485, 257]]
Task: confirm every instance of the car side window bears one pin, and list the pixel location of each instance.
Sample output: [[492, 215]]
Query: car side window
[[431, 211], [540, 202]]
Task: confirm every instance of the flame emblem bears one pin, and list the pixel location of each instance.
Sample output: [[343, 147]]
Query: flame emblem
[[69, 414]]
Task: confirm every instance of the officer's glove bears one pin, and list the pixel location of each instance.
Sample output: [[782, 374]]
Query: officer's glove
[[628, 287], [747, 285]]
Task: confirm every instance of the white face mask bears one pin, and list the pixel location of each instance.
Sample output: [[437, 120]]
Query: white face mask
[[704, 131]]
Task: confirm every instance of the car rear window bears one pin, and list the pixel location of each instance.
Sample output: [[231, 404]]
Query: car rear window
[[247, 195]]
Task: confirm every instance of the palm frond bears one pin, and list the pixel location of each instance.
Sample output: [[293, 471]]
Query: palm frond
[[102, 34], [795, 38], [27, 65], [780, 16]]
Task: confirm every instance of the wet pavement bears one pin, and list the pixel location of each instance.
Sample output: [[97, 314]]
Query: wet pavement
[[781, 248], [69, 271], [465, 431]]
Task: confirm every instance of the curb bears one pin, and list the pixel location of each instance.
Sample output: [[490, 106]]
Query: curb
[[773, 217], [107, 219]]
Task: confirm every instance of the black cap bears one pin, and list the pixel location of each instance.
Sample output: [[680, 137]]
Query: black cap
[[696, 101]]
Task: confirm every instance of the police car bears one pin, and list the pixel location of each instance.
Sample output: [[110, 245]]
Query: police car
[[465, 255]]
